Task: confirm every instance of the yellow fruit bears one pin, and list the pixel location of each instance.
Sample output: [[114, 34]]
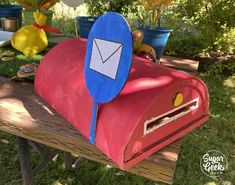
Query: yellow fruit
[[148, 49], [138, 37]]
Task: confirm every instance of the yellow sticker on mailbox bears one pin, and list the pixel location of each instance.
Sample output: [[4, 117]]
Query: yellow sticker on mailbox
[[178, 100]]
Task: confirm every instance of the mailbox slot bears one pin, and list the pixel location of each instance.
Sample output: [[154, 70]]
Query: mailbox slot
[[161, 120]]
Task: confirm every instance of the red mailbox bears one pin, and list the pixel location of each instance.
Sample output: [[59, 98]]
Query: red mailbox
[[157, 105]]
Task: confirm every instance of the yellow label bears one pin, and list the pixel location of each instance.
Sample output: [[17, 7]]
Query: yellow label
[[178, 99]]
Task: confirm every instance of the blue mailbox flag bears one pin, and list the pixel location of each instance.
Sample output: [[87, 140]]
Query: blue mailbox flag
[[108, 60]]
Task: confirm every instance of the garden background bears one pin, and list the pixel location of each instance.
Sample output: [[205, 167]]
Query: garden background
[[204, 30]]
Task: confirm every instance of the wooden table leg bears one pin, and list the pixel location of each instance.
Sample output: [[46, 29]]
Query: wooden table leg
[[69, 165], [28, 172], [25, 163]]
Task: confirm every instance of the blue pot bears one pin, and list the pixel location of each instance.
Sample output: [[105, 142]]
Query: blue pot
[[13, 11], [85, 24], [157, 38]]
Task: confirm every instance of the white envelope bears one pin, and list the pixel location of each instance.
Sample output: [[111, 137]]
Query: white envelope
[[105, 57]]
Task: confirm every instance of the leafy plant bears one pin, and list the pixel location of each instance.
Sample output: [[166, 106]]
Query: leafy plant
[[225, 42], [6, 2], [99, 7], [154, 10], [37, 4], [213, 20], [219, 69], [185, 44]]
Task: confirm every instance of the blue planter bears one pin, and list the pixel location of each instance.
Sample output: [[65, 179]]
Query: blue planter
[[13, 11], [156, 38], [85, 24]]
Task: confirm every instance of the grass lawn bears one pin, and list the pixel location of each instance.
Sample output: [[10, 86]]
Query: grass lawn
[[216, 134]]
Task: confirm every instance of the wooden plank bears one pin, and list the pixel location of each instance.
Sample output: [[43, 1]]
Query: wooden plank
[[24, 114], [180, 63]]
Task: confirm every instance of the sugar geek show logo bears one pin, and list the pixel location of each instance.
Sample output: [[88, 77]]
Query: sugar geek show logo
[[213, 163]]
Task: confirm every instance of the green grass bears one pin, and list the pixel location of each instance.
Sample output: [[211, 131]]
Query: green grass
[[9, 69], [217, 133]]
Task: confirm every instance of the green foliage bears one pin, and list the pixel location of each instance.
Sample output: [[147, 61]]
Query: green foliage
[[99, 7], [215, 14], [6, 2], [37, 4], [219, 69], [9, 69], [185, 43], [154, 10], [226, 42], [66, 25], [208, 21]]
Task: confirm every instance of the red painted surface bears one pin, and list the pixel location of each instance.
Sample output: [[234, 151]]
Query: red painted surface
[[149, 92]]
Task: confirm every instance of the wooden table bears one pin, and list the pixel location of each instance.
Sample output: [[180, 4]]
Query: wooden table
[[187, 65], [27, 116]]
